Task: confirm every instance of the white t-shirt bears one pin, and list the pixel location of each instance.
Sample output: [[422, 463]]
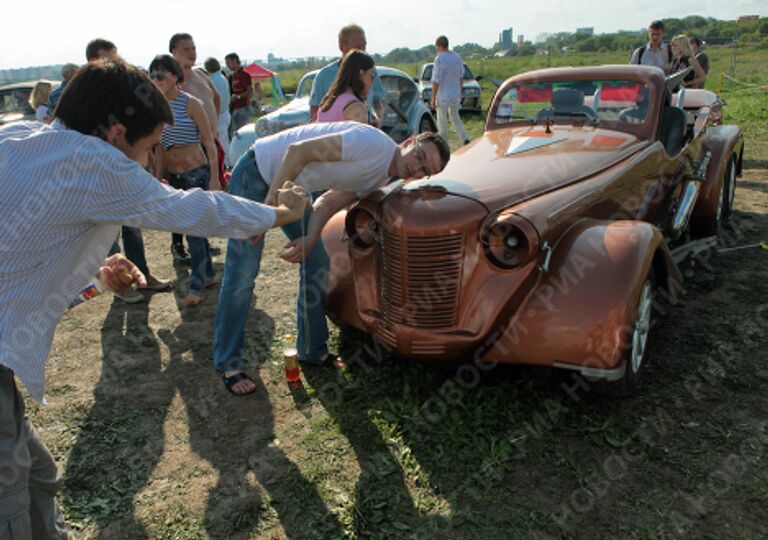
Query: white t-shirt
[[366, 153], [448, 73], [41, 112]]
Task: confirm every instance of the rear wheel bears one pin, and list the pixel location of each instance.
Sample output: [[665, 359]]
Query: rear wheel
[[711, 226]]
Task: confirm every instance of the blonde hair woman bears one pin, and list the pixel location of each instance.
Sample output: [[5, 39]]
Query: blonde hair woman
[[683, 57], [38, 100]]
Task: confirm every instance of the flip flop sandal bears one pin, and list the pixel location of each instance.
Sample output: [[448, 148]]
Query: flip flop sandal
[[230, 382]]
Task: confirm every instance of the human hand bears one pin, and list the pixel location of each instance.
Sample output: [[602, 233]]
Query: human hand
[[294, 198], [118, 274], [214, 184], [295, 250]]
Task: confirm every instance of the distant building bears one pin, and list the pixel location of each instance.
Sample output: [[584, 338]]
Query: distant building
[[520, 40], [505, 38], [743, 18], [587, 31]]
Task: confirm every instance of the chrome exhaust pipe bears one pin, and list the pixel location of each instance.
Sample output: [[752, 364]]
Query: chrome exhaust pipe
[[685, 207]]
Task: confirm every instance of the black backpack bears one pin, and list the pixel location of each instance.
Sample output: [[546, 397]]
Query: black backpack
[[641, 52]]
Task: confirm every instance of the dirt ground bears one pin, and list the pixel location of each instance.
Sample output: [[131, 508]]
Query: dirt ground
[[152, 446]]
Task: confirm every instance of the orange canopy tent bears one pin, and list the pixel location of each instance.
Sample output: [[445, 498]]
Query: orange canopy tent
[[260, 72]]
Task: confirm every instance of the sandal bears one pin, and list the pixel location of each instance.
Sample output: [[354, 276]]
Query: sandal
[[232, 380]]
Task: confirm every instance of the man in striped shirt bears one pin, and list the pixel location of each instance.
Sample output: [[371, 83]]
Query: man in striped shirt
[[65, 190]]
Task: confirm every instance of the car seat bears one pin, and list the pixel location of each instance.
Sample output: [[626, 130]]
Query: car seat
[[567, 102], [672, 129]]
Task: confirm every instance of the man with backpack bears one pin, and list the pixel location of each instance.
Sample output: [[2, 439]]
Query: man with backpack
[[655, 52]]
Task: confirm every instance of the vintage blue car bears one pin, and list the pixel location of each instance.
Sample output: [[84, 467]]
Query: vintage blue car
[[404, 113]]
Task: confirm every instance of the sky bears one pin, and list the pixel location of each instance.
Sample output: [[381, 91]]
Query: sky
[[56, 32]]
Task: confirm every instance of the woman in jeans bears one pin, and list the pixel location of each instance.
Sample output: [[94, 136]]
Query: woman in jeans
[[345, 99], [187, 158]]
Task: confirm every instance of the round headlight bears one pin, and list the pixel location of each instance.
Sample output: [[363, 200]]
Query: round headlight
[[362, 228], [509, 240]]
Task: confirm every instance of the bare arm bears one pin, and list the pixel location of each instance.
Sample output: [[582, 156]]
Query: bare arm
[[158, 163], [313, 112], [701, 75], [196, 112], [435, 88], [323, 209], [216, 97], [356, 112], [299, 155]]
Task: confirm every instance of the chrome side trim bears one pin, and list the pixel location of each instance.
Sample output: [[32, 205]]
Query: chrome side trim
[[612, 374]]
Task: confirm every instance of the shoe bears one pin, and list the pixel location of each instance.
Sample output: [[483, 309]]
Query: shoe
[[329, 360], [131, 296], [180, 256], [155, 285], [466, 142]]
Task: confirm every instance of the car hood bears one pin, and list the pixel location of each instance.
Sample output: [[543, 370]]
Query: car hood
[[293, 109], [508, 166]]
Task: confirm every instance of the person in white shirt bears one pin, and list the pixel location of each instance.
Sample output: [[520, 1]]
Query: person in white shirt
[[221, 84], [346, 161], [447, 84], [65, 190]]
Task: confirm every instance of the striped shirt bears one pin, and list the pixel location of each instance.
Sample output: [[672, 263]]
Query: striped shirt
[[184, 130], [63, 197]]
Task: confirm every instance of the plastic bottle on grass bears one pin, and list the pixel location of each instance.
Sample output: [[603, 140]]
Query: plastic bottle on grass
[[291, 359]]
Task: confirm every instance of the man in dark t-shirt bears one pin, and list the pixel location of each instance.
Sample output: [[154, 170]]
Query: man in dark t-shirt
[[700, 56], [242, 92]]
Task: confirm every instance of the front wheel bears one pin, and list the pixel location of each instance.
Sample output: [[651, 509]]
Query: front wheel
[[634, 357], [711, 226]]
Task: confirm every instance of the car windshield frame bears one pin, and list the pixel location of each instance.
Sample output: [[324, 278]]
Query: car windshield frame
[[618, 98], [426, 73], [306, 80]]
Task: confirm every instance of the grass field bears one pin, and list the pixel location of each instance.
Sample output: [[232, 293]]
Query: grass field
[[151, 446]]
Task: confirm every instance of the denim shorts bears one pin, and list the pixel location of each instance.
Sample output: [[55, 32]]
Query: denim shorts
[[199, 177]]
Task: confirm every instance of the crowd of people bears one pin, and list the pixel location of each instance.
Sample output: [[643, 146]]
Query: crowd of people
[[118, 149], [679, 54]]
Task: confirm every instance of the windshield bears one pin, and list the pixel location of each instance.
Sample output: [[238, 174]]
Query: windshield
[[426, 74], [594, 101], [15, 100], [305, 85]]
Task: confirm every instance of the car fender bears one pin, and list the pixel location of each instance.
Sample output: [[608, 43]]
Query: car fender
[[415, 114], [580, 310], [722, 142]]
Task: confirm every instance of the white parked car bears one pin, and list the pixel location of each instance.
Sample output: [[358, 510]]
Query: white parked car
[[470, 94]]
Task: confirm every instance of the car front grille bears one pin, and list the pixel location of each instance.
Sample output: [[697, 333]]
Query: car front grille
[[421, 280]]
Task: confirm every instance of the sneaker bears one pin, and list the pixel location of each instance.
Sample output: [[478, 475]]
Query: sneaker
[[180, 255], [131, 296], [155, 285]]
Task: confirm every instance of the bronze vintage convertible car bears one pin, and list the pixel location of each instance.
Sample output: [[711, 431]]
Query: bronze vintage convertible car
[[546, 240]]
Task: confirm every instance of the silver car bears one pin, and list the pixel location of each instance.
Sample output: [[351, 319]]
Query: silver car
[[470, 93], [404, 113]]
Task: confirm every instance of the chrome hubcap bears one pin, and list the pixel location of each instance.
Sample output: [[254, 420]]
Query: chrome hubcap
[[642, 326]]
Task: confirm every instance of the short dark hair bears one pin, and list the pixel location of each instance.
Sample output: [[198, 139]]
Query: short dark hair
[[96, 45], [175, 38], [656, 25], [232, 56], [346, 32], [438, 141], [695, 41], [211, 65], [106, 93], [166, 62], [442, 42]]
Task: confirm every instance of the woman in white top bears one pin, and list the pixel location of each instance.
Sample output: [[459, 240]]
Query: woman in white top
[[38, 100]]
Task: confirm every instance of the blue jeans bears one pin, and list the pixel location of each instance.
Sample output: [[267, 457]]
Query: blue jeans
[[240, 271], [199, 248], [133, 243]]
